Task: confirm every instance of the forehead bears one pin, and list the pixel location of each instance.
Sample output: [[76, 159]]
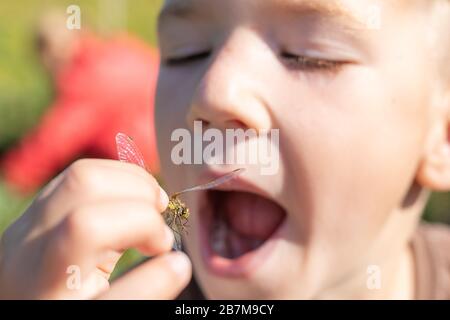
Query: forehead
[[354, 11]]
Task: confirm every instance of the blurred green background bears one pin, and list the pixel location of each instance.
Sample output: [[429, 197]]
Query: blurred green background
[[25, 89]]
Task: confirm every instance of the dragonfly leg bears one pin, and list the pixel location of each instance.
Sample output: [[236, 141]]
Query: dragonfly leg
[[176, 231], [184, 223]]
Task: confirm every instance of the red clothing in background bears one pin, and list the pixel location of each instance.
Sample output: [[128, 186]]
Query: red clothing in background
[[107, 88]]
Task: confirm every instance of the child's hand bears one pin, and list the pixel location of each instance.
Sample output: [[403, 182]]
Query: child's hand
[[76, 229]]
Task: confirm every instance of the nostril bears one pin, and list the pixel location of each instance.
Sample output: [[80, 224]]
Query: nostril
[[205, 123]]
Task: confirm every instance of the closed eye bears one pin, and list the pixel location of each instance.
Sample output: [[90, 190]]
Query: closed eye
[[310, 64], [181, 60]]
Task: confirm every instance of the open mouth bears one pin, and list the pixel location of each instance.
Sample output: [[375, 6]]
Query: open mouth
[[242, 222], [238, 230]]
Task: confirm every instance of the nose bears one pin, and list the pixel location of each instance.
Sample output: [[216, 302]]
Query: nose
[[230, 93]]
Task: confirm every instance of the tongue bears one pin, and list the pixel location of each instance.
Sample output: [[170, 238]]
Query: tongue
[[251, 215]]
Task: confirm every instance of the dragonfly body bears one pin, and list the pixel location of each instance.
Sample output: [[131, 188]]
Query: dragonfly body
[[176, 215]]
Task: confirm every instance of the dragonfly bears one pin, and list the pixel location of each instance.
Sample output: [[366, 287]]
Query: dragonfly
[[177, 213]]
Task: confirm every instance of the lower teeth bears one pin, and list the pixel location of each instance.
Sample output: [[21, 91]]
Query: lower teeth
[[219, 234]]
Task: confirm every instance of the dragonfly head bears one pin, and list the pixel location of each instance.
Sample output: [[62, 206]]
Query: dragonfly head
[[177, 206], [185, 213]]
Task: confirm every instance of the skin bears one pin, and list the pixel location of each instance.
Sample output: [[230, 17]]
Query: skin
[[83, 218], [361, 146]]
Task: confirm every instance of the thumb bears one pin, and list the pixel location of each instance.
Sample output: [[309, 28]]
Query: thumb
[[163, 277]]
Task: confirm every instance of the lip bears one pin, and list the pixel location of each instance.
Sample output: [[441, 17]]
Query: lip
[[247, 264], [237, 183]]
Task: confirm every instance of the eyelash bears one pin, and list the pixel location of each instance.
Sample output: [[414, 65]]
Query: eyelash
[[176, 61], [295, 62], [309, 64]]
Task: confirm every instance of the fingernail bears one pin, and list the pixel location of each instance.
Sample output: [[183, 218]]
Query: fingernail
[[163, 198], [179, 263]]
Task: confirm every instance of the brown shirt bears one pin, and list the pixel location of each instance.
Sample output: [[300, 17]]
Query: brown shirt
[[431, 249]]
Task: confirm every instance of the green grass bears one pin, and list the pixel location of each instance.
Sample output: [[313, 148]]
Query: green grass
[[25, 89]]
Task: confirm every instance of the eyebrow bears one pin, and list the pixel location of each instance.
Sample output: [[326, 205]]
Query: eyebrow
[[327, 8], [176, 8]]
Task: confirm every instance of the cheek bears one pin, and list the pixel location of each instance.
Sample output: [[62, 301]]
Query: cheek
[[353, 147], [172, 99]]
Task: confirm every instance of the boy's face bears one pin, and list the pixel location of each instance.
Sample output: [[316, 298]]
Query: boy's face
[[347, 83]]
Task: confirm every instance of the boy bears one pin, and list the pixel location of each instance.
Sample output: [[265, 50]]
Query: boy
[[363, 112]]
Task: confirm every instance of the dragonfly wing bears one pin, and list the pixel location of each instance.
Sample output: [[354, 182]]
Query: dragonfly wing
[[214, 183], [171, 220], [127, 151]]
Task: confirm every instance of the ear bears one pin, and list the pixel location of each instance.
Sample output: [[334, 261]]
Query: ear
[[434, 169]]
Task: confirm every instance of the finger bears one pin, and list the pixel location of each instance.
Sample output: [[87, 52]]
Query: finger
[[95, 283], [163, 277], [109, 178], [87, 180], [91, 231]]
